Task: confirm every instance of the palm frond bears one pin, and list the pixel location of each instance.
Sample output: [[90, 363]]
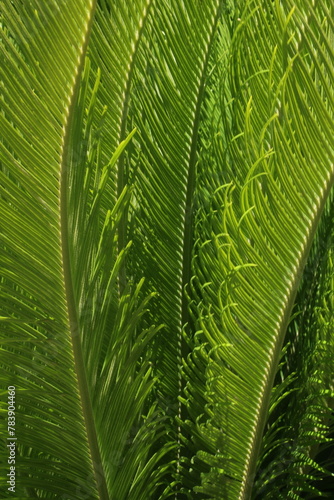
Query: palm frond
[[60, 293], [170, 76], [33, 155], [166, 281], [256, 232]]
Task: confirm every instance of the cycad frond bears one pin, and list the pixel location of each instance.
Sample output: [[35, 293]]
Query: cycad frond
[[166, 247], [61, 265], [253, 238]]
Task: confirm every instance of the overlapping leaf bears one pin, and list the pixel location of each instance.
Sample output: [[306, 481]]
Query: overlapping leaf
[[254, 234], [216, 202], [61, 266]]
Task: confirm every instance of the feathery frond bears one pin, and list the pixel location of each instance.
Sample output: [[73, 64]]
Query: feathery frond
[[166, 248]]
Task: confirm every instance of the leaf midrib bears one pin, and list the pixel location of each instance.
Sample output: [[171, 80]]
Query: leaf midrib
[[86, 404]]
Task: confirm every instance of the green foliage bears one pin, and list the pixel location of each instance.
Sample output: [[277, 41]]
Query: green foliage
[[166, 202]]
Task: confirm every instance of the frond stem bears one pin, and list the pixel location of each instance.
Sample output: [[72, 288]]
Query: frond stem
[[67, 272]]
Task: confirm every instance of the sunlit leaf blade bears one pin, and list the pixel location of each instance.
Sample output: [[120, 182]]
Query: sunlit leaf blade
[[254, 235], [39, 81], [166, 211]]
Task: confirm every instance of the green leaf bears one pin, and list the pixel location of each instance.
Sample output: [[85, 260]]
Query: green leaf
[[166, 239], [60, 270], [253, 239]]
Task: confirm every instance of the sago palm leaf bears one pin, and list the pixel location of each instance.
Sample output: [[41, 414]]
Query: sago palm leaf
[[253, 239], [166, 167], [80, 396]]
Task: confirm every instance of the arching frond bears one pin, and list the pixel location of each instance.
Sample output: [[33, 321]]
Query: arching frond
[[254, 235], [166, 213]]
